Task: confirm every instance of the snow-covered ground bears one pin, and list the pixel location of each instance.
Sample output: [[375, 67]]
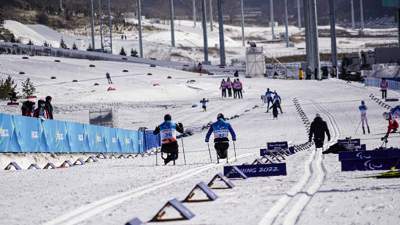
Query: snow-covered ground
[[189, 40], [315, 191]]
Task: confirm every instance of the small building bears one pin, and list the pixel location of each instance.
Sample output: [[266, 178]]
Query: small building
[[255, 62]]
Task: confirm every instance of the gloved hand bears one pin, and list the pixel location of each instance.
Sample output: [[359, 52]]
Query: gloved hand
[[233, 139], [180, 124], [206, 141]]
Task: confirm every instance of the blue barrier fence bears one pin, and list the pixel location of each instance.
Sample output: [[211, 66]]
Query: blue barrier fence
[[31, 135], [375, 82]]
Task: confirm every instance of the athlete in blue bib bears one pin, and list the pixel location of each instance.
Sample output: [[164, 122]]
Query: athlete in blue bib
[[169, 144], [221, 130]]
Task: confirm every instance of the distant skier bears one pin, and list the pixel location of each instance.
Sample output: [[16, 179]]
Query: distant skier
[[169, 144], [108, 76], [393, 125], [363, 110], [27, 108], [268, 97], [223, 87], [41, 111], [49, 107], [204, 104], [384, 86], [200, 68], [274, 107], [277, 99], [318, 130], [221, 130]]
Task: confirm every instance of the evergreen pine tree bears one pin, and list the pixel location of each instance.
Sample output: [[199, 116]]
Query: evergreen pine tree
[[6, 87], [89, 49], [62, 44], [122, 52], [134, 53], [74, 47], [28, 89]]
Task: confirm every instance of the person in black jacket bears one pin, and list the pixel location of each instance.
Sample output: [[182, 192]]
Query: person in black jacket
[[318, 129], [169, 144], [49, 107]]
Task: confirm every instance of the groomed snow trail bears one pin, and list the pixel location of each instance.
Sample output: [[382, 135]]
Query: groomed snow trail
[[303, 191], [85, 212]]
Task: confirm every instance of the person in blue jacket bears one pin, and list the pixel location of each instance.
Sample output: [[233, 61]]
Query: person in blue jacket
[[268, 98], [221, 130], [363, 110], [169, 144]]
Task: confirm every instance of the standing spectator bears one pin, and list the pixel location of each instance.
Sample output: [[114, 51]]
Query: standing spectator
[[204, 104], [41, 111], [28, 108], [318, 130], [239, 88], [49, 107], [223, 88], [169, 144], [235, 89], [229, 87], [278, 100], [301, 74], [384, 86], [108, 76], [363, 110], [236, 74], [268, 98]]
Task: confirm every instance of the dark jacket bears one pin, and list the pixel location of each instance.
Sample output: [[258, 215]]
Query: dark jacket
[[318, 129], [49, 109]]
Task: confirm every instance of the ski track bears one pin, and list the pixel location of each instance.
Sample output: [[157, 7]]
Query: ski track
[[303, 191], [87, 211]]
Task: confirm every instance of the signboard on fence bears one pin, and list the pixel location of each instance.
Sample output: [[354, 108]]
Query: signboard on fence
[[370, 160], [259, 170], [103, 117]]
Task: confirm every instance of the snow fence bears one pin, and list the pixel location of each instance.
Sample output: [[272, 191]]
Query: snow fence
[[20, 134], [375, 82]]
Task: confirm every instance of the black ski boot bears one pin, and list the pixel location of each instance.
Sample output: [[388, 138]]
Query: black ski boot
[[363, 130], [368, 130]]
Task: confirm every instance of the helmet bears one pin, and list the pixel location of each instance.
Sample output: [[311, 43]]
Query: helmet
[[386, 115], [220, 116], [317, 115], [167, 117]]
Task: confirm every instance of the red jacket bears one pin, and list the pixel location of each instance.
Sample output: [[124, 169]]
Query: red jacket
[[393, 126]]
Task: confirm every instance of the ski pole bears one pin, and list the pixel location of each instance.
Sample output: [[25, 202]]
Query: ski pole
[[209, 151], [357, 128], [183, 149], [234, 149], [156, 157]]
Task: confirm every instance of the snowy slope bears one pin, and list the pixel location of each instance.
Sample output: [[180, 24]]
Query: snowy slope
[[189, 40], [114, 191]]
